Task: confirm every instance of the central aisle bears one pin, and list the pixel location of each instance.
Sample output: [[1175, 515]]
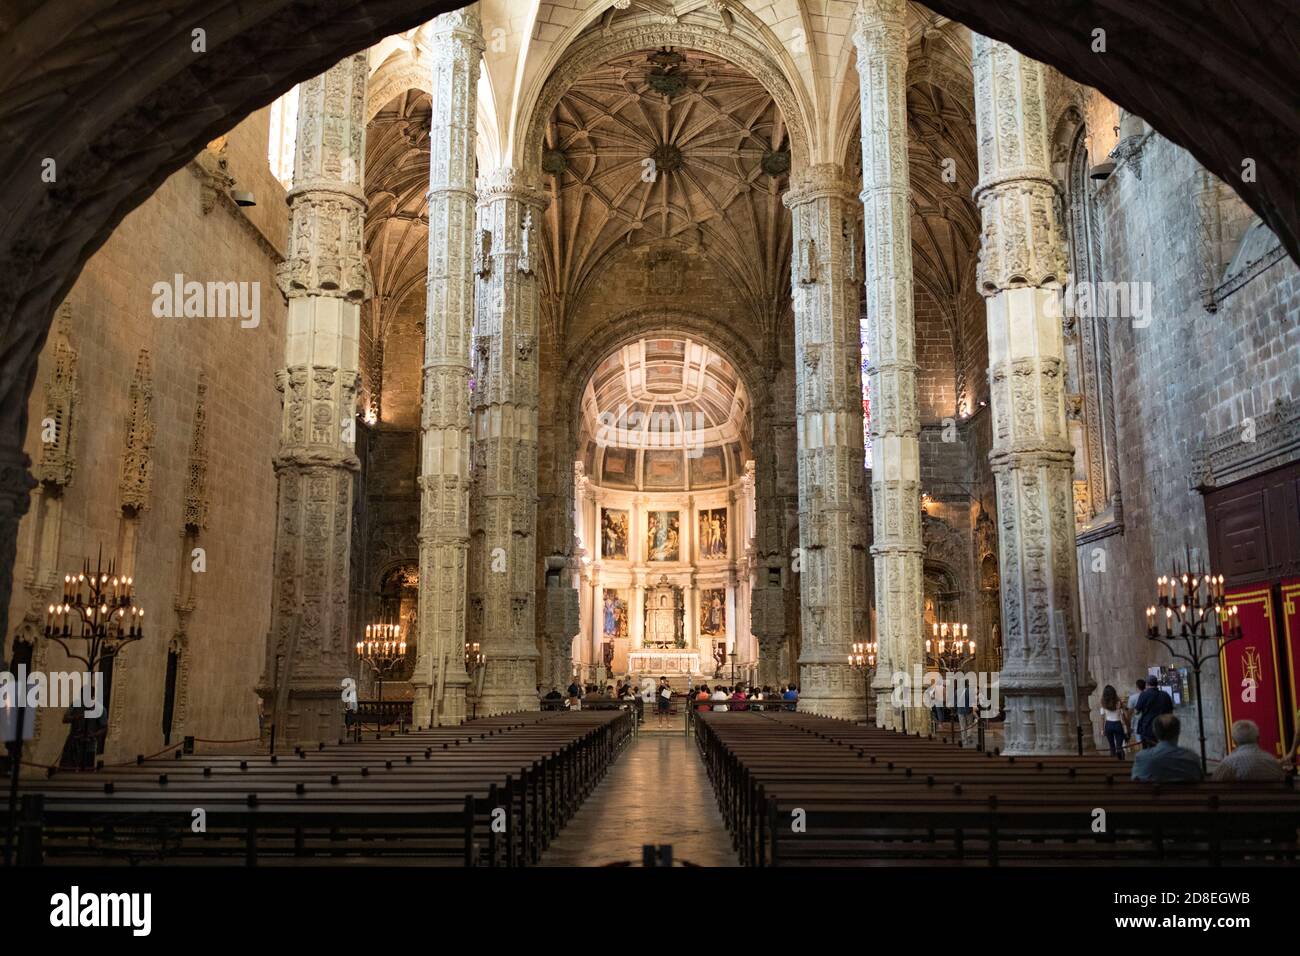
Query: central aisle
[[657, 792]]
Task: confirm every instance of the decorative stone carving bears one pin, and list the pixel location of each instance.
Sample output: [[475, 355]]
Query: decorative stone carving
[[136, 484], [325, 280], [880, 36], [1228, 457], [1021, 259], [504, 496], [58, 451], [196, 475], [832, 479], [439, 680]]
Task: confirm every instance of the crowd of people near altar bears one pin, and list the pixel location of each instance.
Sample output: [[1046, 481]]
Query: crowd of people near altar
[[660, 698]]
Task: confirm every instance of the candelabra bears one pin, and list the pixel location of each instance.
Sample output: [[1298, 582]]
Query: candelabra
[[950, 651], [475, 664], [98, 608], [1196, 612], [383, 650], [863, 661]]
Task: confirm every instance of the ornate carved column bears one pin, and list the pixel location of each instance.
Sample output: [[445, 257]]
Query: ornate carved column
[[828, 407], [767, 599], [439, 679], [881, 40], [504, 502], [325, 280], [1021, 265]]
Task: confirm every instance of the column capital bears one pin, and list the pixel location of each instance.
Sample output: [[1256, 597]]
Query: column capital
[[824, 180], [464, 25], [880, 27], [508, 182], [1022, 243]]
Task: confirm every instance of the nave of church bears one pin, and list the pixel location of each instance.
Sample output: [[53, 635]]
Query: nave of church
[[768, 431]]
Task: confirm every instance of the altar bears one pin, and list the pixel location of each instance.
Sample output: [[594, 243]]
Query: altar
[[663, 662]]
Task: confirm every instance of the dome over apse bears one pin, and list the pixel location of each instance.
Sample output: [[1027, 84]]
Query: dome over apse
[[665, 414]]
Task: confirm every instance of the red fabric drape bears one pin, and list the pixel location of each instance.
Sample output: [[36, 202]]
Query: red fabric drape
[[1249, 668]]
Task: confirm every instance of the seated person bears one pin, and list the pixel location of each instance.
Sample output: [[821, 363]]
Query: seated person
[[1248, 761], [1167, 762]]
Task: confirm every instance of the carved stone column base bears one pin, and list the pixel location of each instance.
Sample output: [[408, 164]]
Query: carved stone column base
[[314, 714], [769, 661], [831, 690], [509, 685]]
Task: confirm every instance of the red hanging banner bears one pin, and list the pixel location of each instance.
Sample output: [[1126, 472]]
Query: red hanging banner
[[1248, 668], [1291, 641]]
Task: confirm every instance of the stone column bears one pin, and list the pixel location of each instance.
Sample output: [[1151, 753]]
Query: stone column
[[828, 407], [1021, 266], [439, 680], [881, 40], [325, 279], [505, 436]]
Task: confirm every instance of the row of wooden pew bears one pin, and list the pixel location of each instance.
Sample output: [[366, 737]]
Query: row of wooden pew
[[801, 790], [491, 792]]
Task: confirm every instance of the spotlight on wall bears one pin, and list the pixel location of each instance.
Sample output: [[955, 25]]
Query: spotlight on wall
[[244, 198], [1102, 170]]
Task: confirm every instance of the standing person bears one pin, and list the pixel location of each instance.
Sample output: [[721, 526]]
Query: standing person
[[575, 689], [665, 699], [1152, 703], [1114, 726]]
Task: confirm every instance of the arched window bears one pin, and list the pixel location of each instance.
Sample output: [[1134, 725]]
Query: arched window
[[283, 135], [1090, 394]]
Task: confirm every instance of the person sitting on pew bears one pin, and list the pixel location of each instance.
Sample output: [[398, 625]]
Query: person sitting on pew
[[703, 695], [1167, 762], [738, 698], [792, 696], [720, 694], [1248, 761]]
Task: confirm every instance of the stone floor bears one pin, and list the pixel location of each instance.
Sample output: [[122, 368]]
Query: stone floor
[[656, 792]]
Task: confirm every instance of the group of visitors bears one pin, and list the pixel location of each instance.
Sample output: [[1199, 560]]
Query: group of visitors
[[723, 698], [1148, 714], [1136, 716]]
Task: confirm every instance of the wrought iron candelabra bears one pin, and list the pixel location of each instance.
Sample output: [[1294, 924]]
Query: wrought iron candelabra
[[863, 660], [383, 650], [1191, 612]]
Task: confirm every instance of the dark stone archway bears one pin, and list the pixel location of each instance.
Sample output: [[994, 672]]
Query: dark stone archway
[[1217, 78], [114, 93]]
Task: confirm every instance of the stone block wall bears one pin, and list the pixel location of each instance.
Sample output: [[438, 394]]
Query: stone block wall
[[1187, 376], [111, 321]]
